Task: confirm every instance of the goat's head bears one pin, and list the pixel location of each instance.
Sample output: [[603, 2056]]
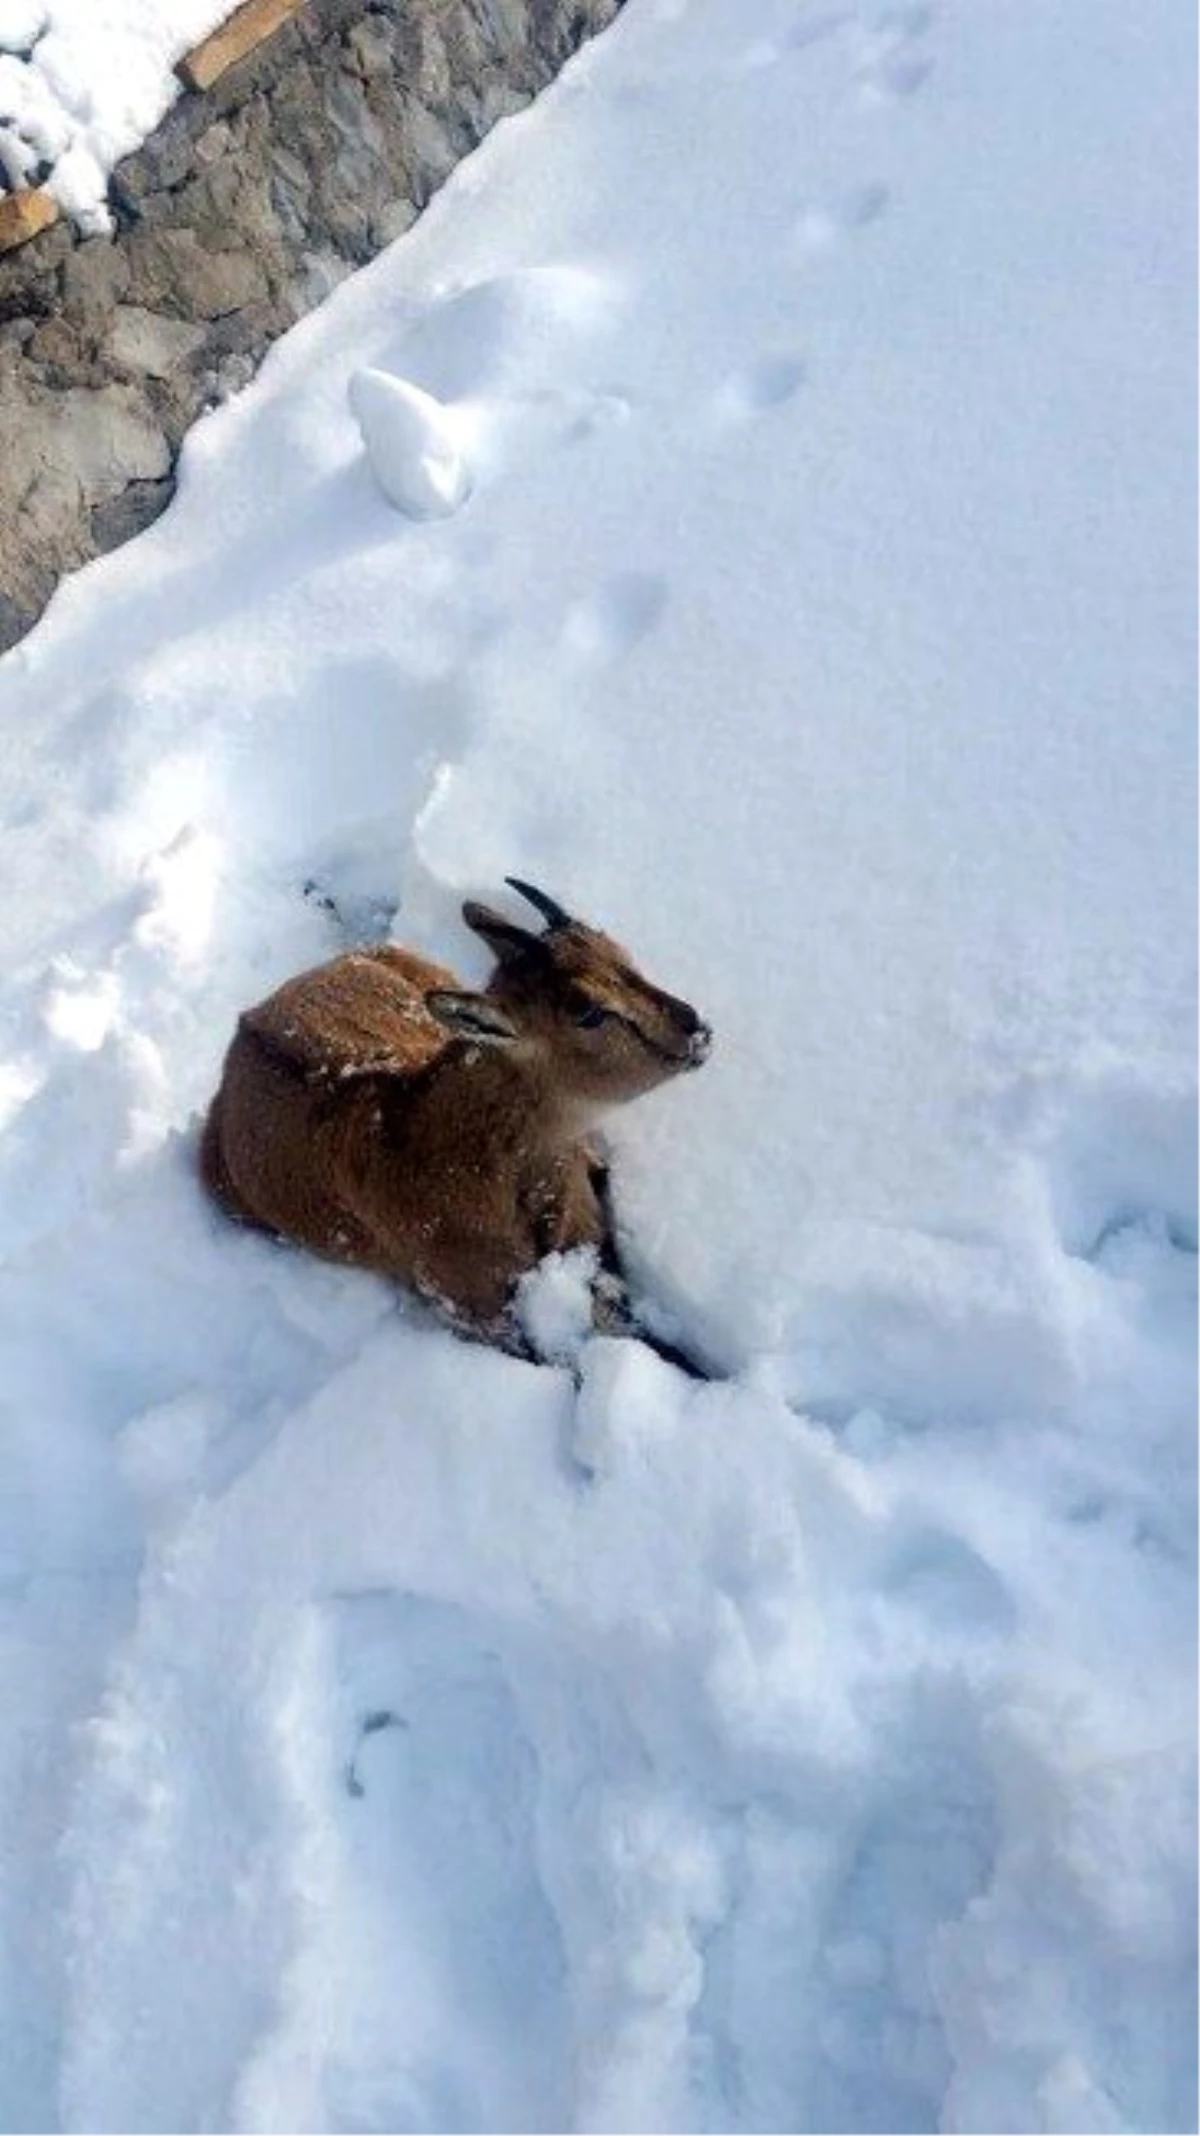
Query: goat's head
[[604, 1032]]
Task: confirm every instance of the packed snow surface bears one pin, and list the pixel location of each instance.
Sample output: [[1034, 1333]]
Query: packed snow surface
[[82, 83], [398, 1736]]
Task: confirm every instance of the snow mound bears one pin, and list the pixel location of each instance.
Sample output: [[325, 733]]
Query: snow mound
[[413, 443]]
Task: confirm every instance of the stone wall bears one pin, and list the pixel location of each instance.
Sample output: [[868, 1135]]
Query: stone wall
[[238, 215]]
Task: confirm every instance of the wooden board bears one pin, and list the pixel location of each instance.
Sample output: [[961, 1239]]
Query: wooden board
[[23, 214], [245, 28]]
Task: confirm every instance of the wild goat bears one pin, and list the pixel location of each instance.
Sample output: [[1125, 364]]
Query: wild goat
[[379, 1114]]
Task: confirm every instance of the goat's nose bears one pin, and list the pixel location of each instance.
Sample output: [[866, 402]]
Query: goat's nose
[[699, 1042]]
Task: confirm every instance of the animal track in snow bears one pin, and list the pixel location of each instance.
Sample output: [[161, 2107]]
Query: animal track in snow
[[942, 1578], [811, 30], [592, 412], [1136, 1522], [612, 619], [1118, 1158], [844, 1931], [892, 64], [885, 54], [808, 30], [901, 75], [440, 1797], [823, 224], [760, 386]]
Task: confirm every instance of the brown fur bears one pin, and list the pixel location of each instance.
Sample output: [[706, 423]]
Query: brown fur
[[377, 1114]]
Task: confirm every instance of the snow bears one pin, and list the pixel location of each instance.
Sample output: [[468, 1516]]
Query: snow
[[413, 444], [82, 83], [400, 1735]]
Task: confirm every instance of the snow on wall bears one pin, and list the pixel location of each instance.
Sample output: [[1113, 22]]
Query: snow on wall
[[83, 83]]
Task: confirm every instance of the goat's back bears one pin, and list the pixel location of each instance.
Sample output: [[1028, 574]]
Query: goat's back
[[299, 1094], [362, 1014]]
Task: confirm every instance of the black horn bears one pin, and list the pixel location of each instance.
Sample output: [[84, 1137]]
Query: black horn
[[551, 912]]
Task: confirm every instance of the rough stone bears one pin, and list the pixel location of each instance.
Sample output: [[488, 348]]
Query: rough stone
[[243, 210], [180, 275], [214, 143], [397, 217], [146, 341], [14, 621], [94, 278], [324, 270], [166, 160], [123, 516], [231, 374], [105, 439], [372, 48], [55, 347]]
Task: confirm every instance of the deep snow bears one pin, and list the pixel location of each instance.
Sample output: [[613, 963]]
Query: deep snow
[[398, 1738]]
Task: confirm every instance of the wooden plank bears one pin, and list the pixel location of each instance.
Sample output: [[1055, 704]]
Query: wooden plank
[[23, 214], [244, 29]]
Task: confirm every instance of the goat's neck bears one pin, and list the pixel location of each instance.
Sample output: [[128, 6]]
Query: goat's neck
[[514, 1105]]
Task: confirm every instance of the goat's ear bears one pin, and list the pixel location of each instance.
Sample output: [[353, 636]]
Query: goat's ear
[[504, 938], [473, 1016]]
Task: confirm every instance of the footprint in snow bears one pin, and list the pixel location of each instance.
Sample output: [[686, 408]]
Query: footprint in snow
[[939, 1576], [894, 78], [590, 414], [439, 1850], [1133, 1524], [889, 65], [612, 619], [758, 387], [823, 224], [809, 30], [1114, 1148], [892, 63]]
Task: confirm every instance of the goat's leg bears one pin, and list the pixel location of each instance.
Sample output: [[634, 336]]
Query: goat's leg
[[614, 1313], [502, 1332], [613, 1309], [579, 1212], [599, 1175]]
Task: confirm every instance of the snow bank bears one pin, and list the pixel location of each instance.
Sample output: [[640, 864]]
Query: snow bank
[[399, 1738]]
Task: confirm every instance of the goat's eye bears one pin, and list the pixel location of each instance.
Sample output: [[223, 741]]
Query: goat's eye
[[591, 1018]]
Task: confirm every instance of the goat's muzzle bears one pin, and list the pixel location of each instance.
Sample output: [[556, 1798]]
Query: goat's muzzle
[[695, 1035], [699, 1045]]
